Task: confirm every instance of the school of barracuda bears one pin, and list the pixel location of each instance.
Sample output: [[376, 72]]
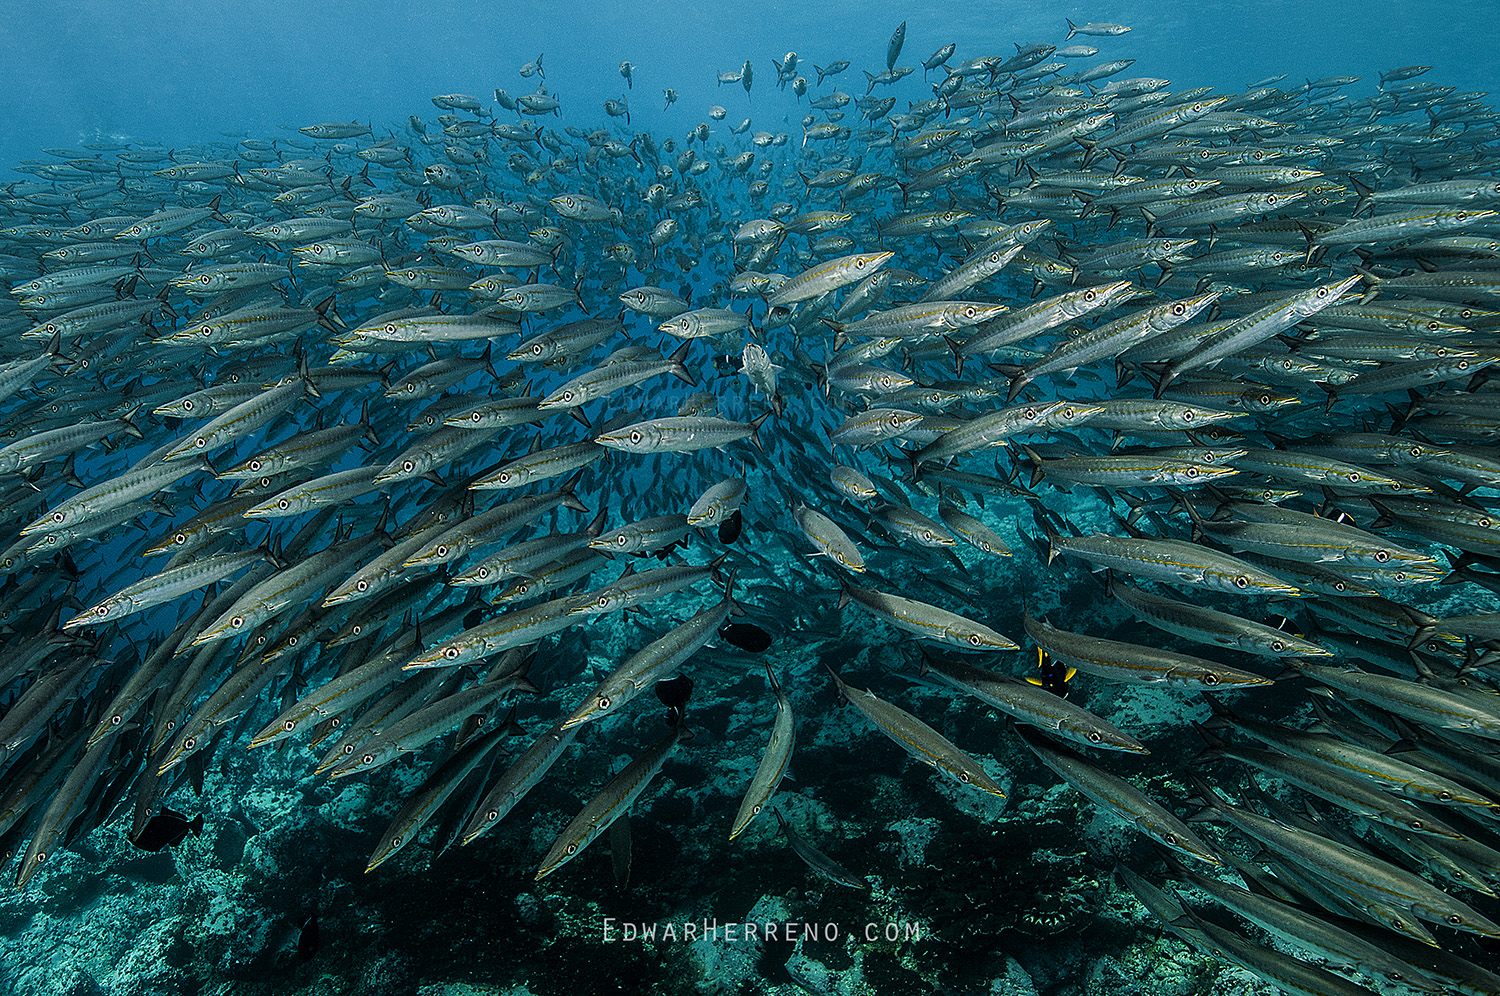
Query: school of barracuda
[[323, 438]]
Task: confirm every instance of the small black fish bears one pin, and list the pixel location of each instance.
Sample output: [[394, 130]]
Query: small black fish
[[746, 636], [167, 829], [307, 939], [729, 529], [674, 693]]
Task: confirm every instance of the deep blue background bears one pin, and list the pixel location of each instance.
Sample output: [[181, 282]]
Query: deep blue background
[[180, 71]]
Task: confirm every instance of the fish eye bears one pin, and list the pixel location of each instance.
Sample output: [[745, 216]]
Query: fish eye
[[361, 585], [604, 702], [189, 743], [283, 504], [859, 264], [969, 311], [289, 725], [963, 776], [237, 622], [368, 759], [1381, 556], [492, 815], [1240, 581], [58, 516], [1094, 737], [572, 848], [603, 601], [408, 466], [348, 749], [1210, 679], [1265, 399], [1178, 309], [1169, 838], [635, 436], [1354, 476], [1445, 796], [1278, 646], [974, 639], [451, 653], [1322, 291], [1454, 919]]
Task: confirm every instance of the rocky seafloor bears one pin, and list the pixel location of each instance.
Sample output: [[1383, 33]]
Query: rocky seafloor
[[1008, 897]]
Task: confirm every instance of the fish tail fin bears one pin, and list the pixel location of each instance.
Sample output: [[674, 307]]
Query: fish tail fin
[[127, 423], [1164, 379], [1052, 537], [1036, 465], [1207, 798], [713, 567], [755, 429], [1072, 28], [569, 497], [1195, 517], [1331, 391], [1364, 193], [1216, 745], [678, 368], [324, 309], [956, 348], [838, 683]]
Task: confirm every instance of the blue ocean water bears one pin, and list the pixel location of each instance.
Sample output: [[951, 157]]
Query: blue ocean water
[[982, 897], [178, 72]]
